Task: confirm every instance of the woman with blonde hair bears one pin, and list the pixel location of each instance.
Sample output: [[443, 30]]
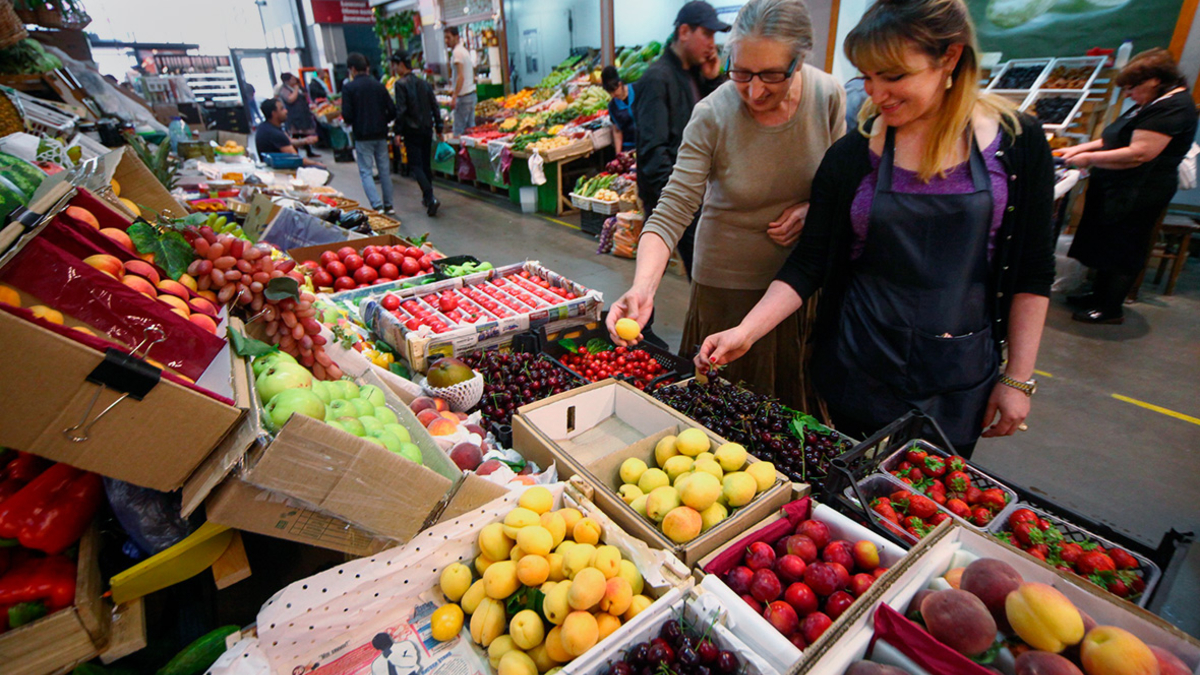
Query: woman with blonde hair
[[929, 233], [748, 156]]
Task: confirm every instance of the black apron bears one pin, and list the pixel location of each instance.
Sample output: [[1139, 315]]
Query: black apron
[[915, 328], [1121, 208]]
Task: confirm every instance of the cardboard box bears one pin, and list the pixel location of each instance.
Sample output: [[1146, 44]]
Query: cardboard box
[[313, 253], [70, 636], [954, 546], [139, 186], [589, 431], [334, 473]]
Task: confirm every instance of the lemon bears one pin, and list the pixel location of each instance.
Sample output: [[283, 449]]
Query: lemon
[[628, 329]]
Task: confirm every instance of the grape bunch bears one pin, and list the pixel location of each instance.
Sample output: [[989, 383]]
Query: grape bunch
[[606, 235], [513, 380], [238, 272], [678, 650], [761, 423]]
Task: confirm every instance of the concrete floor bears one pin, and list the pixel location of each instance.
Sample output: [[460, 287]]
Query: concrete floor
[[1131, 467]]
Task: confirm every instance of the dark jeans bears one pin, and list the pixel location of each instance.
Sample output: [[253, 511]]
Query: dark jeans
[[1111, 289], [419, 148]]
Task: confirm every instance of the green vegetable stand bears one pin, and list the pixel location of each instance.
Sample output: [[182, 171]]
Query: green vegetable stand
[[551, 197]]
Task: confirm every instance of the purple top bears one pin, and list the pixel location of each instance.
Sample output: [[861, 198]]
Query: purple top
[[957, 181]]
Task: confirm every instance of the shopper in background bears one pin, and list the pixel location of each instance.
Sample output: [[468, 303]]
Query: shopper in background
[[368, 110], [929, 235], [1133, 177], [270, 137], [462, 80], [253, 112], [749, 155], [316, 90], [301, 122], [417, 118], [620, 109]]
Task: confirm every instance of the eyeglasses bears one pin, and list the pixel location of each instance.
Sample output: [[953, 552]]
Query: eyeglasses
[[766, 77]]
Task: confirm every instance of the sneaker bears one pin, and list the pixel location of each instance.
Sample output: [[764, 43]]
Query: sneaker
[[389, 211], [432, 209]]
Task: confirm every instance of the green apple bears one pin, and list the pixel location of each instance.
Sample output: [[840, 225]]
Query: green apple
[[321, 388], [352, 425], [372, 425], [280, 376], [349, 389], [336, 425], [412, 452], [376, 441], [386, 415], [373, 394], [267, 360], [363, 406], [300, 400], [399, 431], [343, 408], [389, 440]]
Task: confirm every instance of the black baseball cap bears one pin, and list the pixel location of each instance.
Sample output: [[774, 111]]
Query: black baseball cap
[[700, 13]]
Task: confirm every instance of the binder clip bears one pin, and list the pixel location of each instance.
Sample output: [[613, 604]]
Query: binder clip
[[125, 373]]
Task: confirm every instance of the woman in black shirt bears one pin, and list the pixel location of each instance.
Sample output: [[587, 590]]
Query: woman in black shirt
[[1134, 173]]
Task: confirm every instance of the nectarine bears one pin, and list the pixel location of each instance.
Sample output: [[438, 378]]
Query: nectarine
[[118, 236], [442, 427], [175, 304], [83, 215], [140, 285], [110, 265], [204, 321], [174, 288], [142, 269], [426, 416]]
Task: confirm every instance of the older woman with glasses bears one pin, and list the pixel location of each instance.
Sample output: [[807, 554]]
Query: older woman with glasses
[[748, 156]]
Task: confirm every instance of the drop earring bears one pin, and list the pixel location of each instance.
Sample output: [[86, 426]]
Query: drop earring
[[949, 81]]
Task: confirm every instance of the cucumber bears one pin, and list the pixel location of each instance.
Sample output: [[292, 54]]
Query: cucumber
[[24, 175], [198, 656]]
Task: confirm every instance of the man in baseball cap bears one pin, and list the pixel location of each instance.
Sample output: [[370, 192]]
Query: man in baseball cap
[[700, 13]]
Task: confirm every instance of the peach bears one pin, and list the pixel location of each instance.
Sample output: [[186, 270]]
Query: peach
[[44, 312], [580, 632], [960, 621], [142, 269], [587, 589], [1043, 617], [1045, 663], [201, 305], [208, 295], [1108, 650], [204, 321], [442, 427], [991, 581], [174, 288], [450, 416], [110, 265], [175, 303], [427, 416], [1168, 663], [421, 403], [118, 236], [9, 296], [143, 286], [81, 214], [618, 595], [682, 524], [188, 281]]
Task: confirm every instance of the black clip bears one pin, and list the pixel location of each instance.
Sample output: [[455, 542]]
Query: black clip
[[126, 373]]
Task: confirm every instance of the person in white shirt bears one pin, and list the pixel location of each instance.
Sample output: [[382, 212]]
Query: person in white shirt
[[462, 80]]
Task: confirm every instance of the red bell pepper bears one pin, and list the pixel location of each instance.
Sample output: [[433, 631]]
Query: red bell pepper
[[52, 512], [49, 580], [25, 467]]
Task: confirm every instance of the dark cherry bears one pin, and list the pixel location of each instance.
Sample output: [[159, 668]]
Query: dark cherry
[[660, 654], [621, 668], [670, 631], [707, 651], [727, 663], [688, 657], [701, 670], [639, 654]]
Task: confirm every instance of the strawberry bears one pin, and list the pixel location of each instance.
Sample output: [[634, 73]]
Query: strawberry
[[1118, 588], [958, 481], [974, 495], [1021, 532], [906, 480], [1095, 561], [956, 463], [904, 466], [1022, 516], [1138, 585], [899, 496], [934, 467], [1070, 553], [939, 518], [1037, 553], [884, 508], [916, 456], [921, 506], [981, 516], [914, 522], [959, 508], [938, 497], [1122, 559], [1044, 525], [994, 499]]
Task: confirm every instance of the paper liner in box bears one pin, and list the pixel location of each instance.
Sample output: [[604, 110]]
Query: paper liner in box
[[63, 282], [331, 618]]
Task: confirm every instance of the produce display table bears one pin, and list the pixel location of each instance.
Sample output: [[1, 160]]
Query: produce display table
[[552, 198]]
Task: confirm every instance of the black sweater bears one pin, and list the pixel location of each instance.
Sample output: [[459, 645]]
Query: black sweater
[[367, 108], [1023, 261]]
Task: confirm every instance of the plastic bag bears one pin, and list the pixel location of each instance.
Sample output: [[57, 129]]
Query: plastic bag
[[536, 175], [150, 518], [444, 153]]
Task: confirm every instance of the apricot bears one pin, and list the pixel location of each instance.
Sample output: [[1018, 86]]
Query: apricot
[[455, 581], [533, 570], [110, 265], [712, 515], [580, 633], [47, 314], [554, 646], [537, 499], [9, 296], [535, 540], [517, 662], [608, 624], [517, 519], [763, 473], [142, 269], [526, 629], [665, 449], [731, 457], [555, 605], [494, 543], [173, 288], [442, 427], [677, 466], [960, 621], [204, 321], [482, 563], [201, 305], [541, 658], [700, 491], [577, 558], [653, 479], [119, 237], [660, 502], [618, 595], [500, 579], [555, 561], [586, 531], [499, 647], [140, 285], [628, 493], [629, 572], [607, 560], [570, 517], [1043, 617], [631, 470], [470, 600], [739, 488], [555, 525], [488, 621], [587, 589], [682, 524], [636, 606], [83, 215]]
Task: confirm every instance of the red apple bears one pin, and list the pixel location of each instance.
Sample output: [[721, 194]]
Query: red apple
[[815, 530], [878, 572], [798, 641], [781, 615], [824, 579], [765, 586], [859, 583], [760, 556], [336, 269], [390, 302], [802, 547], [754, 604], [790, 569], [838, 603], [353, 262], [814, 625], [365, 275], [801, 598], [375, 260], [343, 284], [345, 252], [328, 257], [839, 552], [738, 579], [410, 267], [866, 555], [389, 271]]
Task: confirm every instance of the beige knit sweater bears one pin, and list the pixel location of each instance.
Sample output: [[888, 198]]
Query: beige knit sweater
[[745, 174]]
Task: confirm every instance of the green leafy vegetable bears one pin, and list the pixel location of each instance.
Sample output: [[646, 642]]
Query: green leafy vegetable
[[248, 346], [171, 251], [597, 345]]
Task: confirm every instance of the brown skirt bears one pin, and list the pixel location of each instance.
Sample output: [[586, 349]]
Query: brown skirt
[[773, 366]]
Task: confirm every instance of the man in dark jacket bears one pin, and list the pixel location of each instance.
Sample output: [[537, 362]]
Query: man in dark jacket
[[688, 70], [367, 110], [417, 118]]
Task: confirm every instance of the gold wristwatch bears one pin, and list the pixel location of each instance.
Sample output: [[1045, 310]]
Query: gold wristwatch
[[1028, 388]]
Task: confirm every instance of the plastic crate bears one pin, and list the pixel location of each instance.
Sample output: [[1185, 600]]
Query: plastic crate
[[580, 202], [606, 208], [440, 265], [282, 160], [675, 368]]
